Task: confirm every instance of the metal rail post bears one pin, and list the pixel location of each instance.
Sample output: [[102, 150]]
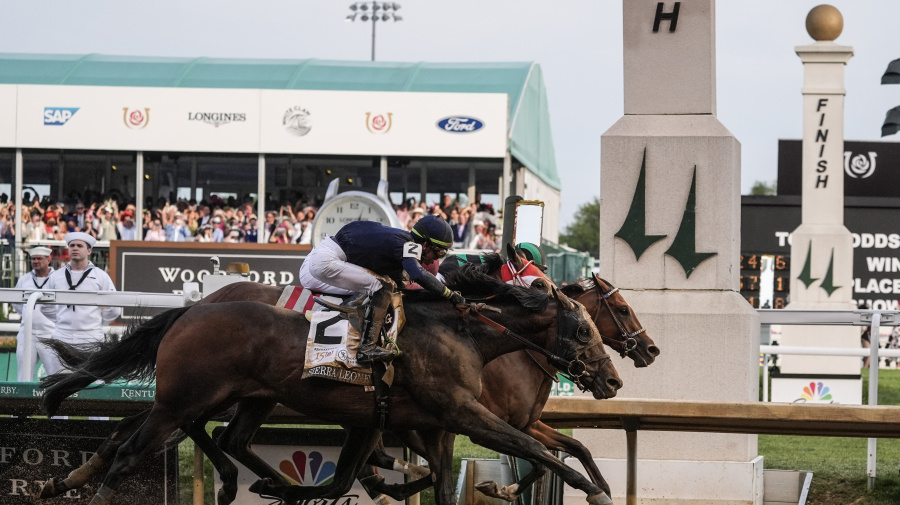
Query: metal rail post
[[198, 475], [26, 371], [871, 462], [631, 424]]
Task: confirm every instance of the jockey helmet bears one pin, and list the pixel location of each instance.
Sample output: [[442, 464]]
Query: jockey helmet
[[532, 252], [435, 230]]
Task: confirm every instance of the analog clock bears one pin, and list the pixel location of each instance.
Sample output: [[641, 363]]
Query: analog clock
[[342, 208]]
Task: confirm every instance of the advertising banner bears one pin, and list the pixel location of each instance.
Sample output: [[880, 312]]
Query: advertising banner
[[868, 168], [254, 121], [32, 450], [164, 267], [384, 123], [815, 389], [307, 457], [7, 115], [138, 119]]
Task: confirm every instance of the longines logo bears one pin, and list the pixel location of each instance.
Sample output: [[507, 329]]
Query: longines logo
[[217, 119], [136, 119], [297, 121]]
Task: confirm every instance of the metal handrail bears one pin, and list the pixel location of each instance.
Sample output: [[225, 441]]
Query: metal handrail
[[874, 319]]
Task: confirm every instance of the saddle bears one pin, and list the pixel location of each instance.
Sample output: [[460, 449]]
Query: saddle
[[334, 336]]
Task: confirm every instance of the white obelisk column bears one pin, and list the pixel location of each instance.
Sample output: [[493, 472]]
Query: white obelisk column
[[822, 248], [670, 239]]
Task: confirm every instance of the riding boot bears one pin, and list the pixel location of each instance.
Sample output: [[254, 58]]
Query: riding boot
[[378, 309]]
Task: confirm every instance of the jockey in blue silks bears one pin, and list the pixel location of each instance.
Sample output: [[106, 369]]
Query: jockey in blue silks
[[362, 257]]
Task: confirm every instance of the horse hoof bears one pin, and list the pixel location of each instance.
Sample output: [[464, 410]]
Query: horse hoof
[[260, 486], [600, 499], [224, 497], [53, 488], [382, 500], [490, 488]]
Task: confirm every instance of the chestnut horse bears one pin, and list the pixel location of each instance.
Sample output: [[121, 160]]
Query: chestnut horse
[[213, 355]]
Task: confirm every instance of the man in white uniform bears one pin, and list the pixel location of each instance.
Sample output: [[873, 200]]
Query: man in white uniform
[[78, 324], [41, 327]]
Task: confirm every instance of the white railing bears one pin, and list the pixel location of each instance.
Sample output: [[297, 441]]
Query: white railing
[[32, 297], [874, 319]]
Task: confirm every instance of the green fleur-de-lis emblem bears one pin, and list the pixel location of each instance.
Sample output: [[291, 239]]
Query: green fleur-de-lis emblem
[[633, 230], [684, 247]]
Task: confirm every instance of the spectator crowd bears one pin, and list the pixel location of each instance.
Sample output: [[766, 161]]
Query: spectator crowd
[[475, 226]]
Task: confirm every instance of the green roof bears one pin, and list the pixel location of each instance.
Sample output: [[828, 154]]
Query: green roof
[[530, 139]]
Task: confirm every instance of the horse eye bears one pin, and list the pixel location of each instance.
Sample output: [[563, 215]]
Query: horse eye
[[582, 330], [623, 310]]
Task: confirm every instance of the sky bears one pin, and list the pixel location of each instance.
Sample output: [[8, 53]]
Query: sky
[[578, 44]]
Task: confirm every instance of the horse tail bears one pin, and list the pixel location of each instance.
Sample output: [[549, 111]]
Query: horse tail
[[132, 358]]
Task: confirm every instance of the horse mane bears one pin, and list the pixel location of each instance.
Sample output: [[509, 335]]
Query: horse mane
[[473, 282], [492, 262]]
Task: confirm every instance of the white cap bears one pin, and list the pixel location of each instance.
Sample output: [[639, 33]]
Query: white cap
[[79, 235], [40, 251]]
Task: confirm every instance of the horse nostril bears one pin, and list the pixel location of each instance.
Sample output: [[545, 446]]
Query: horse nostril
[[653, 350], [614, 383]]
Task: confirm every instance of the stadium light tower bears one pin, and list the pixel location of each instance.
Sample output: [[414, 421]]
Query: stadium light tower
[[374, 12]]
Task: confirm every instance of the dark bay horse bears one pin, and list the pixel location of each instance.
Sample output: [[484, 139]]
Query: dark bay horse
[[520, 400], [258, 356]]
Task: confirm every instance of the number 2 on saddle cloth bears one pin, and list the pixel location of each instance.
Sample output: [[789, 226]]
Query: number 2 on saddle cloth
[[334, 336]]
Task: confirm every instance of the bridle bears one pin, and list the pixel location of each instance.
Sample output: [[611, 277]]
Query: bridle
[[627, 343], [575, 369]]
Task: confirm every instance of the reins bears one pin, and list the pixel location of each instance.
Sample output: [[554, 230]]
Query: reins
[[628, 342], [573, 370]]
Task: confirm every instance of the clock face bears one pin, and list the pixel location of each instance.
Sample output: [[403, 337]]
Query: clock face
[[344, 208]]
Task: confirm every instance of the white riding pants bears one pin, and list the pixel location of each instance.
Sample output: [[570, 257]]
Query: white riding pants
[[326, 270]]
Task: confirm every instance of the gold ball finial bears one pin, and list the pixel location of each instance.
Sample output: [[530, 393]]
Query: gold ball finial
[[824, 22]]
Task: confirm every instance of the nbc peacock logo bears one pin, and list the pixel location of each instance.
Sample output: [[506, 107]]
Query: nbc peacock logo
[[308, 469], [816, 392]]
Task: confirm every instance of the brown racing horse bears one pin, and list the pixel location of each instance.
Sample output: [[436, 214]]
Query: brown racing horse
[[520, 404], [213, 355]]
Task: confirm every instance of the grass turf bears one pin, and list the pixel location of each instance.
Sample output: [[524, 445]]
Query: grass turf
[[839, 464]]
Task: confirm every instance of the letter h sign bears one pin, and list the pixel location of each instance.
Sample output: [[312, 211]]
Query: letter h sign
[[671, 17]]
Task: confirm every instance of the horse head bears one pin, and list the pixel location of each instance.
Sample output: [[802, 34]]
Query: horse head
[[521, 272], [617, 321], [579, 342]]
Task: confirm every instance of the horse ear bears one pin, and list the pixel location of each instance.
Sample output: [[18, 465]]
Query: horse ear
[[597, 279], [513, 257], [563, 299]]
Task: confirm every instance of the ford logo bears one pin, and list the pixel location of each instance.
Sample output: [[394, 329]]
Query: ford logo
[[460, 124]]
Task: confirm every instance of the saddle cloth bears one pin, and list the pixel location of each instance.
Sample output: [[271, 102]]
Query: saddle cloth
[[332, 342]]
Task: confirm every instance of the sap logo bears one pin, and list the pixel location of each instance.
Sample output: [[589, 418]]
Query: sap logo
[[58, 115], [460, 124]]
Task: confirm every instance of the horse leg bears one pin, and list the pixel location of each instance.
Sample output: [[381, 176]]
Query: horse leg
[[107, 451], [227, 470], [422, 476], [382, 459], [160, 423], [373, 484], [555, 440], [249, 415], [486, 429]]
